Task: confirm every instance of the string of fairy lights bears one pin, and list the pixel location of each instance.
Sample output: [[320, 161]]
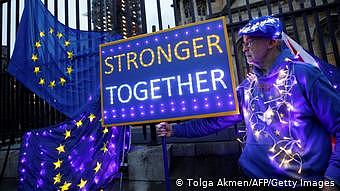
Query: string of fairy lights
[[285, 150]]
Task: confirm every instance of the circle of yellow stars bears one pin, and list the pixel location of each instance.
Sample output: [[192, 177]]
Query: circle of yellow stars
[[57, 179], [35, 58]]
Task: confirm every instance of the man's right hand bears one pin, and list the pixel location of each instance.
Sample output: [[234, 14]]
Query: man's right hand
[[164, 129]]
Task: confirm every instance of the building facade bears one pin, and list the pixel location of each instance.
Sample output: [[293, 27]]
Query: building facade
[[124, 16]]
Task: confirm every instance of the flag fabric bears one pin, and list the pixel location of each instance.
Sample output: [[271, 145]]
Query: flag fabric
[[330, 71], [59, 64], [75, 155]]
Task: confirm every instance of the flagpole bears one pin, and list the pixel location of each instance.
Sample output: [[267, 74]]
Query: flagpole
[[122, 161], [165, 162]]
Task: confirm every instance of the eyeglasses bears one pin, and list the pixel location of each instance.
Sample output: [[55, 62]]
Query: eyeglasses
[[248, 44]]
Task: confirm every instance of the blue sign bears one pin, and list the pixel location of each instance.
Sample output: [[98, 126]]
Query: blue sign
[[180, 73]]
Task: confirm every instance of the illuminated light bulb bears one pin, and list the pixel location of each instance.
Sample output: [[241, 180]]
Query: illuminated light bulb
[[271, 158], [289, 151], [257, 133], [287, 60], [246, 97], [239, 140], [299, 171], [272, 149]]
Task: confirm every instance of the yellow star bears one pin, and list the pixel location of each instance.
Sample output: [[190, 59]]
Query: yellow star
[[42, 34], [51, 30], [79, 123], [69, 54], [61, 149], [67, 43], [52, 84], [57, 164], [67, 134], [36, 69], [66, 186], [105, 130], [69, 70], [59, 35], [34, 57], [62, 81], [41, 81], [277, 132], [82, 183], [91, 117], [104, 148], [57, 178], [37, 44], [98, 166]]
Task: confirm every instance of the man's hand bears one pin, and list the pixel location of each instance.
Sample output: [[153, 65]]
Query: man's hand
[[164, 129]]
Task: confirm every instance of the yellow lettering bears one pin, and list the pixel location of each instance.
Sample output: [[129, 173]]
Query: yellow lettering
[[109, 65], [141, 57], [196, 47], [211, 44], [133, 60], [168, 56], [185, 50], [119, 61]]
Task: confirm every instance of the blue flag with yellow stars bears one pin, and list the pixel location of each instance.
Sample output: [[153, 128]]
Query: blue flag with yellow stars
[[75, 155], [59, 64]]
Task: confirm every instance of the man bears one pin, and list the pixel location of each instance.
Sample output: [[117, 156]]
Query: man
[[289, 108]]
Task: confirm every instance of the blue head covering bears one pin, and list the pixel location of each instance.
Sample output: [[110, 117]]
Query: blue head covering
[[265, 26]]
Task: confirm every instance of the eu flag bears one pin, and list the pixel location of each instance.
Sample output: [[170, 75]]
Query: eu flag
[[59, 64], [75, 155]]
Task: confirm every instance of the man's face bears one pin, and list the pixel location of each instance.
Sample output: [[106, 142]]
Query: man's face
[[255, 50]]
